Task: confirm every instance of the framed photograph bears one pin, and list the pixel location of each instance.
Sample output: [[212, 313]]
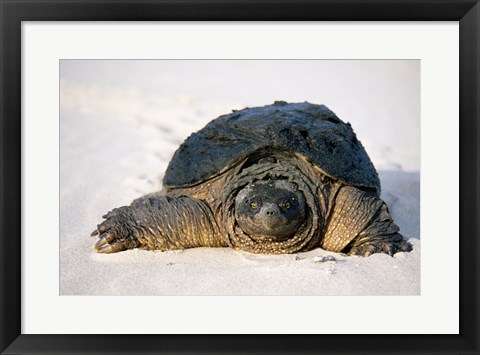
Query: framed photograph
[[100, 104]]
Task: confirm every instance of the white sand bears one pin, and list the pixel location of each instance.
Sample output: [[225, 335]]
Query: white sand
[[119, 128]]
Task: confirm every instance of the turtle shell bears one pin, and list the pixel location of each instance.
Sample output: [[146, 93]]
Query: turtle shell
[[310, 130]]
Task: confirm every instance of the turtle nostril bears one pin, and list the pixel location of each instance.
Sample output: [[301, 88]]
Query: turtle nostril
[[270, 210]]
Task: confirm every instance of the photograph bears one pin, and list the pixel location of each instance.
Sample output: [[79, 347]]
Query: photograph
[[276, 177], [240, 177]]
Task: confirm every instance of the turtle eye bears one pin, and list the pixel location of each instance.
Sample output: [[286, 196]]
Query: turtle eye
[[286, 206], [253, 205]]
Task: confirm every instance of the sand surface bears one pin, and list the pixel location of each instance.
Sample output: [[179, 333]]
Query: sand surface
[[118, 130]]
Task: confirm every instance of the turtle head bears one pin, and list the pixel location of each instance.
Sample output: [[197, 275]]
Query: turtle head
[[271, 209]]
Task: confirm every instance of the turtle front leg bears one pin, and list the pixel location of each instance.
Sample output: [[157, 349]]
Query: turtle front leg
[[380, 236], [158, 223], [360, 224]]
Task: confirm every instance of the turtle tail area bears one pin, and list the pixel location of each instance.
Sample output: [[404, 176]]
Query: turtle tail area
[[360, 224]]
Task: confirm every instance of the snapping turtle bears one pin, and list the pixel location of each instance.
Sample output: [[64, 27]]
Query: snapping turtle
[[282, 178]]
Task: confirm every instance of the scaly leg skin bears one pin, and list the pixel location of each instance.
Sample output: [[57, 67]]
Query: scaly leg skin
[[158, 223], [360, 224], [380, 236]]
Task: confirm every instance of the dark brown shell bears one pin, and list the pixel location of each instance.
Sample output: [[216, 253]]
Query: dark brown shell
[[310, 130]]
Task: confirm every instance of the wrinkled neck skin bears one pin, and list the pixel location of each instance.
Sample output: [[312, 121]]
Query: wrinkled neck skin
[[272, 206]]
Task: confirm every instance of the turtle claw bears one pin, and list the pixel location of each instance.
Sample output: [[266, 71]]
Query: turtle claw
[[389, 248], [105, 238], [100, 243], [369, 250], [107, 244], [104, 249], [111, 248], [363, 250], [406, 247], [101, 228]]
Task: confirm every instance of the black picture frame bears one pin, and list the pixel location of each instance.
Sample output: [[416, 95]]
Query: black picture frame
[[13, 12]]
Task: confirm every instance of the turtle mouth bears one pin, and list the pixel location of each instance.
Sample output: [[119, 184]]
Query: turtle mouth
[[271, 224]]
